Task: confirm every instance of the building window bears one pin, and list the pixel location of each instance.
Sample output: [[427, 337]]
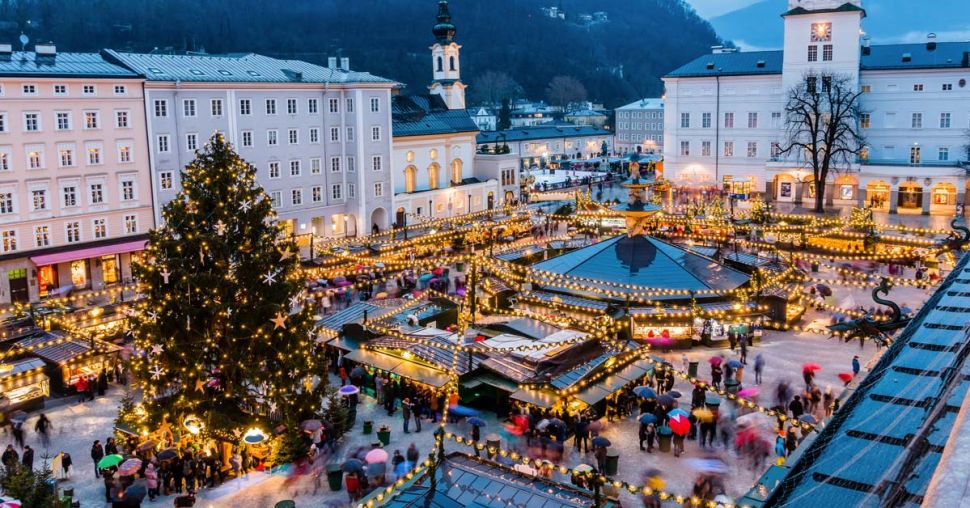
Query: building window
[[9, 240], [705, 148], [375, 133], [752, 149], [94, 156], [917, 121], [272, 137], [334, 105], [729, 148], [311, 106], [314, 135], [947, 87], [67, 157], [351, 191], [73, 232], [35, 159], [293, 136], [245, 107], [216, 107], [42, 236], [864, 120], [866, 88], [705, 121], [914, 155], [296, 197], [336, 191], [274, 169], [120, 90], [63, 121], [728, 120], [291, 106], [752, 120], [91, 120], [100, 228], [60, 89], [4, 161], [32, 122], [375, 105], [6, 203], [29, 89], [3, 122], [88, 89], [918, 87], [121, 119], [350, 134], [685, 120], [188, 107], [334, 134], [38, 200], [827, 53], [70, 196], [295, 168], [335, 164], [350, 105], [270, 106], [813, 53], [685, 148], [775, 119], [127, 190], [131, 224], [97, 193], [315, 166], [161, 108], [944, 153], [191, 142], [247, 139], [163, 143], [351, 166], [376, 163], [165, 180], [378, 189], [944, 120], [316, 194]]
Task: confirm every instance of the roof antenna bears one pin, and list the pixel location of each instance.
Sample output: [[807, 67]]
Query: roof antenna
[[23, 41]]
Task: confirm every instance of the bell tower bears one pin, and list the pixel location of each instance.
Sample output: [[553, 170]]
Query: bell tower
[[822, 37], [445, 64]]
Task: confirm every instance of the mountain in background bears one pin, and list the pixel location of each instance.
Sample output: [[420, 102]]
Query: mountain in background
[[618, 60], [887, 21]]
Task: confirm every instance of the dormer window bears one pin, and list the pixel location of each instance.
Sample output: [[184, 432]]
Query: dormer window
[[254, 74], [225, 72], [760, 64], [154, 70], [196, 72]]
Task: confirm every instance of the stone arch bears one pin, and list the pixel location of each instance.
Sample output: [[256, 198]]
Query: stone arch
[[410, 179], [378, 220], [434, 173], [456, 175], [400, 217]]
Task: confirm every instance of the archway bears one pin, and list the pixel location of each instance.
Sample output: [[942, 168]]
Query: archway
[[785, 187], [944, 197], [434, 171], [846, 189], [910, 196], [491, 200], [456, 176], [877, 194], [378, 220], [400, 217], [410, 179], [509, 197]]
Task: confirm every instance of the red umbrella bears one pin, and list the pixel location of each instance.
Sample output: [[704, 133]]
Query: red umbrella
[[438, 271], [715, 360], [679, 424], [811, 367], [846, 376]]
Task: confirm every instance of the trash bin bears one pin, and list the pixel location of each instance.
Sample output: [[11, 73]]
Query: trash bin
[[492, 441], [664, 435], [368, 427], [287, 503], [335, 476], [384, 435], [612, 461], [692, 368], [814, 266]]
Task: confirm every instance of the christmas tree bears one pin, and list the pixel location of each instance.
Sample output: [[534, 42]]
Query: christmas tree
[[222, 335]]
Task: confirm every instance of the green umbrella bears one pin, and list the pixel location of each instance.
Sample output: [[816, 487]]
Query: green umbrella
[[110, 461]]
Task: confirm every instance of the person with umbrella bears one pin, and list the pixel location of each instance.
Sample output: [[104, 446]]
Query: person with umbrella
[[151, 481], [599, 451], [716, 375], [808, 374]]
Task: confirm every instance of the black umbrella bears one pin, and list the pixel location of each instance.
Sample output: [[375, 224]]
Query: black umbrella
[[601, 442], [556, 422], [352, 466], [168, 454], [136, 491], [358, 372], [675, 394], [665, 399]]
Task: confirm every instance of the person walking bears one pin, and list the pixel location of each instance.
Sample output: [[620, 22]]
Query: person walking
[[102, 382], [43, 428], [28, 458], [406, 413], [600, 453], [743, 344], [759, 367], [10, 456], [796, 407], [18, 434], [97, 453], [412, 455], [716, 376], [151, 481], [416, 412], [111, 447], [582, 435], [856, 366]]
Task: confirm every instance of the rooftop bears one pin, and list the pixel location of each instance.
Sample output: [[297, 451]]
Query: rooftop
[[542, 132], [419, 115], [643, 104], [75, 65], [234, 68]]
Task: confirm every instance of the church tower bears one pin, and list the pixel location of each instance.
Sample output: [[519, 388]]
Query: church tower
[[822, 36], [446, 68]]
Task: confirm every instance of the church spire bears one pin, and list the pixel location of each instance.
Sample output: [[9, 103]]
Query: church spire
[[444, 30]]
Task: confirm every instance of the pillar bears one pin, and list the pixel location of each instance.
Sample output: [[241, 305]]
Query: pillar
[[893, 199], [799, 190], [961, 200], [829, 194], [927, 201], [861, 197]]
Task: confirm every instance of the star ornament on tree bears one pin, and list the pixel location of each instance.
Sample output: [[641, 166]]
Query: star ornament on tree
[[279, 321], [157, 349], [220, 228], [165, 275], [157, 372], [286, 254], [270, 277]]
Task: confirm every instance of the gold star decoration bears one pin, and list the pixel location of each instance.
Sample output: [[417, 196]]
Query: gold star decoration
[[286, 254], [199, 385], [279, 321], [220, 228]]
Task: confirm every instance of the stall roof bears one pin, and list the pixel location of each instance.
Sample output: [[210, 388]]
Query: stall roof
[[21, 366], [619, 379], [526, 327], [486, 378], [60, 352], [435, 353], [883, 446], [542, 398], [334, 323], [463, 481], [546, 296], [399, 366]]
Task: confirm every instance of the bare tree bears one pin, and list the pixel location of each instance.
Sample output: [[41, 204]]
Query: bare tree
[[563, 90], [494, 86], [822, 117]]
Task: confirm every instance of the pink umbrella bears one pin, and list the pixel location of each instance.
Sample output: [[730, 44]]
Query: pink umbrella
[[715, 360], [438, 271], [345, 283], [749, 392], [376, 456], [9, 502], [129, 467]]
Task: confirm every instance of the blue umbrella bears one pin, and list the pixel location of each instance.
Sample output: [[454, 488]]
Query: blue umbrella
[[463, 411], [734, 364], [426, 277], [348, 390], [601, 442], [645, 392], [677, 411], [476, 421], [646, 418]]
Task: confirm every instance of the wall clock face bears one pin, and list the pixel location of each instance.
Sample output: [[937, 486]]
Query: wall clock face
[[821, 32]]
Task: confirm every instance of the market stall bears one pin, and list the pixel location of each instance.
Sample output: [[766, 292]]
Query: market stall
[[67, 358], [23, 384]]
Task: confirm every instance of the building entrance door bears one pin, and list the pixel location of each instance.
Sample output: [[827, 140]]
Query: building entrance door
[[18, 285]]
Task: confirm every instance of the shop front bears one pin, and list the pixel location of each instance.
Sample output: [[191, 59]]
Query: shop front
[[68, 359], [24, 385]]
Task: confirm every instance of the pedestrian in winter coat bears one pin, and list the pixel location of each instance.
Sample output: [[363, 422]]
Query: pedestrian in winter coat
[[412, 454], [796, 407], [66, 464], [18, 434], [102, 382], [28, 459], [97, 453], [111, 447], [406, 413], [151, 481], [10, 456], [716, 376], [759, 367], [600, 453], [856, 367], [82, 388], [43, 428]]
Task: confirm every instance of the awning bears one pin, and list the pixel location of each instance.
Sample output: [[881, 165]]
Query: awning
[[401, 367], [490, 380], [91, 252], [614, 382], [543, 399]]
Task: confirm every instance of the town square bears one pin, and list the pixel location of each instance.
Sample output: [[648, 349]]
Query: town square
[[232, 278]]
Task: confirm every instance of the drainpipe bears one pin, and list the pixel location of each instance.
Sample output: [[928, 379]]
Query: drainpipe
[[717, 127]]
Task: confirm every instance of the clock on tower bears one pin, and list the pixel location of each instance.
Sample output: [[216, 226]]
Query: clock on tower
[[821, 32]]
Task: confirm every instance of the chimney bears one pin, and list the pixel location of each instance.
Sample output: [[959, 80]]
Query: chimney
[[866, 43], [45, 50], [332, 62], [930, 41], [344, 63]]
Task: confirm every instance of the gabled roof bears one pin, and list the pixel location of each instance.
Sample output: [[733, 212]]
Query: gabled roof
[[846, 7], [946, 55], [71, 65], [234, 68], [643, 104], [587, 112], [420, 115], [741, 63], [542, 132], [877, 438]]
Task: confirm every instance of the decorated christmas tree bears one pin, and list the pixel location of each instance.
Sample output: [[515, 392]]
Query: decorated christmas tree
[[224, 342]]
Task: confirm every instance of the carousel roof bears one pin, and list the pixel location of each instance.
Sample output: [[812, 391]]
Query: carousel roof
[[629, 264]]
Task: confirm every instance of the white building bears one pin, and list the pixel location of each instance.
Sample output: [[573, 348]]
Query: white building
[[724, 115], [548, 144], [640, 127], [484, 118], [434, 171]]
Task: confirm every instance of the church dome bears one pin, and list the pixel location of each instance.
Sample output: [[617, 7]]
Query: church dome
[[443, 30]]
